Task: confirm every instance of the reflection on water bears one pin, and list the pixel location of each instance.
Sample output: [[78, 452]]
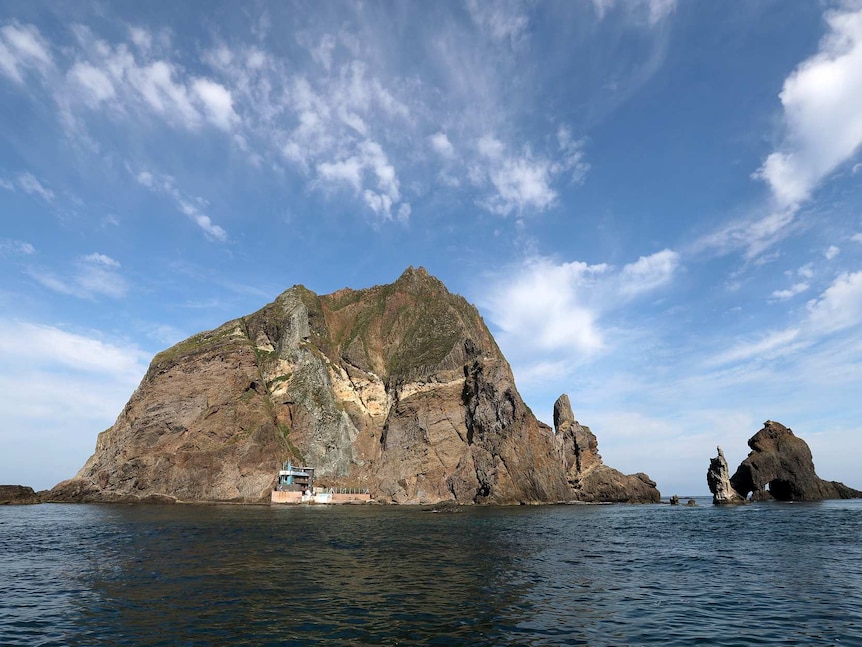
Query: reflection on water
[[592, 575]]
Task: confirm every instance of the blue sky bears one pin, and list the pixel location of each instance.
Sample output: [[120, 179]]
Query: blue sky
[[656, 205]]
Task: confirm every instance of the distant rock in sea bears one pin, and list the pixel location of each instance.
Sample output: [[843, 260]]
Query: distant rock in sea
[[718, 478], [397, 389], [18, 495], [779, 466], [590, 479]]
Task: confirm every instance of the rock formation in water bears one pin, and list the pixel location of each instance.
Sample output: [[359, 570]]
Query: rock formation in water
[[588, 477], [780, 466], [718, 479], [398, 388], [18, 495]]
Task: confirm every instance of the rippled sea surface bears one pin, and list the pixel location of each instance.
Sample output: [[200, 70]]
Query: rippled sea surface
[[763, 574]]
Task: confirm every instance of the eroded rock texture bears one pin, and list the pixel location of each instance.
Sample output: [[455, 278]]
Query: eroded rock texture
[[18, 495], [590, 479], [398, 388], [718, 479], [780, 466]]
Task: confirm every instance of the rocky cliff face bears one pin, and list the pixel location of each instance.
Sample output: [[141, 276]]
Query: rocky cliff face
[[780, 466], [590, 479], [398, 388]]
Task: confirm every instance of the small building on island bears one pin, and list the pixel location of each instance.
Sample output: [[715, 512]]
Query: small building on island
[[296, 485], [295, 479]]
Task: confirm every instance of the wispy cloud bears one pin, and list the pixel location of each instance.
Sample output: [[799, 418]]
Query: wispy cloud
[[840, 305], [118, 80], [753, 236], [789, 293], [64, 387], [762, 347], [22, 49], [523, 183], [29, 184], [837, 308], [10, 247], [501, 21], [651, 11], [190, 207], [92, 276]]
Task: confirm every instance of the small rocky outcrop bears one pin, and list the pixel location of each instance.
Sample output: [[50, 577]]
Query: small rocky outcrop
[[18, 495], [780, 466], [718, 479], [399, 389], [590, 479]]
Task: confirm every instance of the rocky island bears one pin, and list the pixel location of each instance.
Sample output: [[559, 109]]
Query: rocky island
[[398, 389], [779, 466]]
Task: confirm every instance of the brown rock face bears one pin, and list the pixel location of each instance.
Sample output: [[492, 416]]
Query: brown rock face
[[780, 466], [399, 388], [589, 478], [18, 495]]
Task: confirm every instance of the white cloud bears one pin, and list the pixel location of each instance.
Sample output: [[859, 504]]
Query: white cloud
[[840, 305], [806, 271], [752, 236], [22, 47], [838, 308], [551, 314], [64, 388], [101, 259], [217, 103], [142, 39], [95, 83], [648, 273], [546, 306], [822, 101], [521, 183], [16, 247], [337, 117], [48, 346], [369, 166], [441, 145], [571, 155], [165, 185], [831, 252], [349, 171], [856, 238], [123, 82], [92, 276], [792, 291], [771, 342], [32, 186], [211, 230]]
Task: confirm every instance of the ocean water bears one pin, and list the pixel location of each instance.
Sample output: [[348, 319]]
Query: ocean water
[[762, 574]]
